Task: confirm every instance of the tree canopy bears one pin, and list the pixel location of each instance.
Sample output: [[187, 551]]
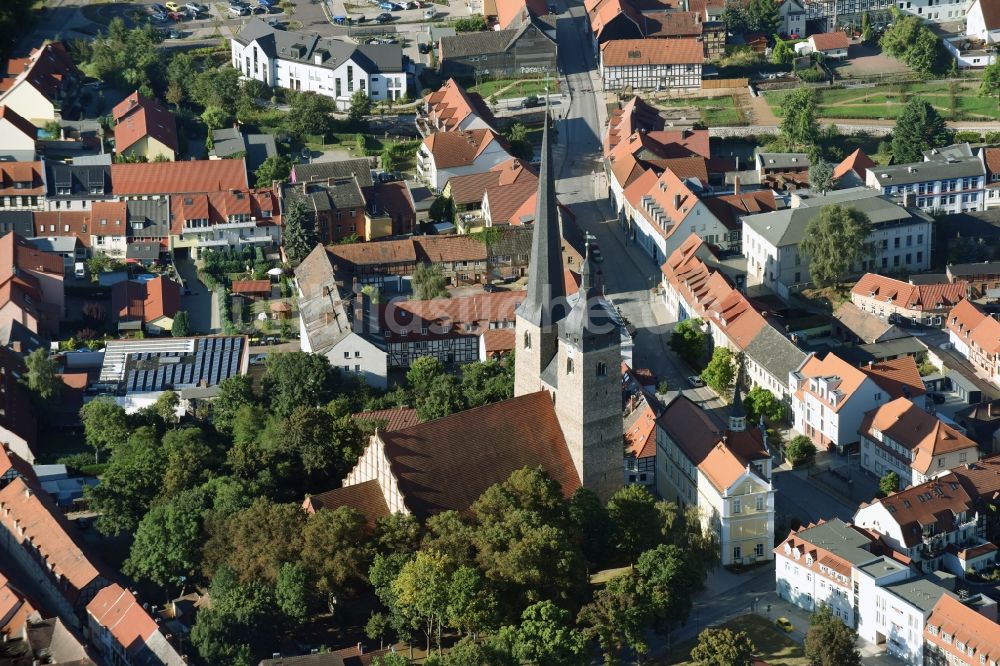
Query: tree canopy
[[798, 121], [689, 341], [835, 241], [429, 282], [42, 378], [829, 642], [723, 647], [919, 127], [720, 373], [299, 236]]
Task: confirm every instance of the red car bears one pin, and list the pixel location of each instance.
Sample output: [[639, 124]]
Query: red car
[[175, 16]]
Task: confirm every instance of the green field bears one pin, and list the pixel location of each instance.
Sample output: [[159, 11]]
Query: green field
[[519, 87], [714, 111], [887, 101], [773, 645]]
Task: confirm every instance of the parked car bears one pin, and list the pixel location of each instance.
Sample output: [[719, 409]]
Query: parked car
[[411, 5], [938, 398], [429, 14], [157, 17], [489, 288], [258, 359], [157, 8], [194, 7], [237, 10], [423, 48], [174, 34], [387, 6], [267, 3], [531, 101], [695, 381], [175, 16], [383, 18], [172, 6], [784, 624], [276, 24]]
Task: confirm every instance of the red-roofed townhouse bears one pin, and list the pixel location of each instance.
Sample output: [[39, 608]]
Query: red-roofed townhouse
[[726, 475], [149, 306], [109, 228], [158, 179], [35, 535], [962, 632], [468, 193], [37, 87], [22, 186], [17, 135], [976, 336], [901, 437], [445, 155], [830, 396], [613, 20], [125, 633], [853, 170], [652, 64], [902, 302], [991, 162], [144, 128], [663, 210], [632, 117], [640, 444], [452, 108], [831, 44], [31, 286], [232, 218]]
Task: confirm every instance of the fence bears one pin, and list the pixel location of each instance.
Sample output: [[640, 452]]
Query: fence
[[717, 84]]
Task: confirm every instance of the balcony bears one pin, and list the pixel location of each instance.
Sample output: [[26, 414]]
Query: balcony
[[235, 225]]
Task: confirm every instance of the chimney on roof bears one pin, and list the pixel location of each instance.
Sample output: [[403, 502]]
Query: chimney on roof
[[736, 186]]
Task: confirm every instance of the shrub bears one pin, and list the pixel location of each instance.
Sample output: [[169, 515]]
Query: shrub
[[968, 136], [992, 137], [800, 450]]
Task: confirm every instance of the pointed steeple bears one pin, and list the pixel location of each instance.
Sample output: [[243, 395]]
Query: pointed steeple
[[737, 415], [544, 304]]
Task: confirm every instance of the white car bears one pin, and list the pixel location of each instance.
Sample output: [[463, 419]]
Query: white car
[[238, 11], [695, 381], [194, 7]]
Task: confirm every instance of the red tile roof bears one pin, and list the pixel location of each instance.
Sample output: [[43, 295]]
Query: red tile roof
[[251, 287], [26, 174], [117, 609], [459, 148], [963, 624], [898, 377], [69, 223], [178, 177], [923, 434], [513, 13], [730, 207], [450, 105], [15, 609], [639, 52], [431, 462], [992, 158], [857, 162], [366, 498], [828, 41], [45, 69], [635, 116], [392, 419], [937, 502], [441, 249], [32, 517], [498, 340], [923, 297], [603, 12], [138, 116], [640, 437], [145, 301], [447, 317]]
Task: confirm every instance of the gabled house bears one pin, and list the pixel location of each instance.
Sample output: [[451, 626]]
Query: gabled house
[[980, 276], [230, 142], [651, 64], [902, 302], [726, 475], [39, 86], [22, 186], [853, 169], [830, 396], [976, 336], [612, 20], [793, 18], [109, 228], [303, 61], [444, 155], [150, 305], [529, 48], [125, 633], [990, 158], [962, 632], [451, 108], [232, 218], [156, 180], [901, 437], [833, 45], [31, 286], [468, 192], [853, 325], [334, 327], [633, 117], [17, 136], [78, 186], [144, 128], [982, 22]]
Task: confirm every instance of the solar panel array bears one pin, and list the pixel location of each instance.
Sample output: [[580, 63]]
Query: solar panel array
[[212, 360]]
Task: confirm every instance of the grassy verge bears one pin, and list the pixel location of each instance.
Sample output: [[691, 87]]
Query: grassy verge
[[718, 111], [519, 87], [956, 101], [773, 646]]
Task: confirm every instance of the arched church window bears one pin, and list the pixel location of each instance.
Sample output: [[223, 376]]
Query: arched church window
[[527, 340], [569, 366], [602, 369]]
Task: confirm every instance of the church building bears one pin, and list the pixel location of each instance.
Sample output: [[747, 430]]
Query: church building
[[565, 415]]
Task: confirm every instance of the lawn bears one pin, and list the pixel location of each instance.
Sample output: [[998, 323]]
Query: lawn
[[519, 87], [714, 111], [887, 101], [773, 645]]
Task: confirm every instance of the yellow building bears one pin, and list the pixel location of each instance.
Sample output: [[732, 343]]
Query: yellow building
[[144, 128]]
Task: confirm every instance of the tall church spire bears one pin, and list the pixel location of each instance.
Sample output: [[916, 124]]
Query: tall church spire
[[546, 289], [737, 415]]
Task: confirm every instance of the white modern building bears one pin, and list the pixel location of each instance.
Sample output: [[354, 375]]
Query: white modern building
[[949, 180], [445, 155], [306, 62], [902, 237]]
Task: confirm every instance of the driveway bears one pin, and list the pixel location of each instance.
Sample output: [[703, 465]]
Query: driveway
[[201, 304]]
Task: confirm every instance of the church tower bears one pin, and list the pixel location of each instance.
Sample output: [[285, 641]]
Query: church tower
[[737, 415], [536, 324]]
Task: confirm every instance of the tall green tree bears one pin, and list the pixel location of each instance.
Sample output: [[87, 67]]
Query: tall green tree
[[835, 241], [422, 374], [723, 647], [42, 377], [720, 373], [299, 231], [633, 512], [617, 617], [429, 282], [761, 402], [234, 392], [229, 632], [130, 482], [821, 176], [361, 106], [667, 576], [182, 324], [889, 483], [829, 642], [256, 541], [545, 635], [167, 545], [989, 85], [309, 115], [689, 341], [919, 127], [486, 382], [763, 16], [294, 379], [444, 397], [274, 168], [421, 592], [800, 450], [105, 425], [292, 592], [336, 551], [798, 122]]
